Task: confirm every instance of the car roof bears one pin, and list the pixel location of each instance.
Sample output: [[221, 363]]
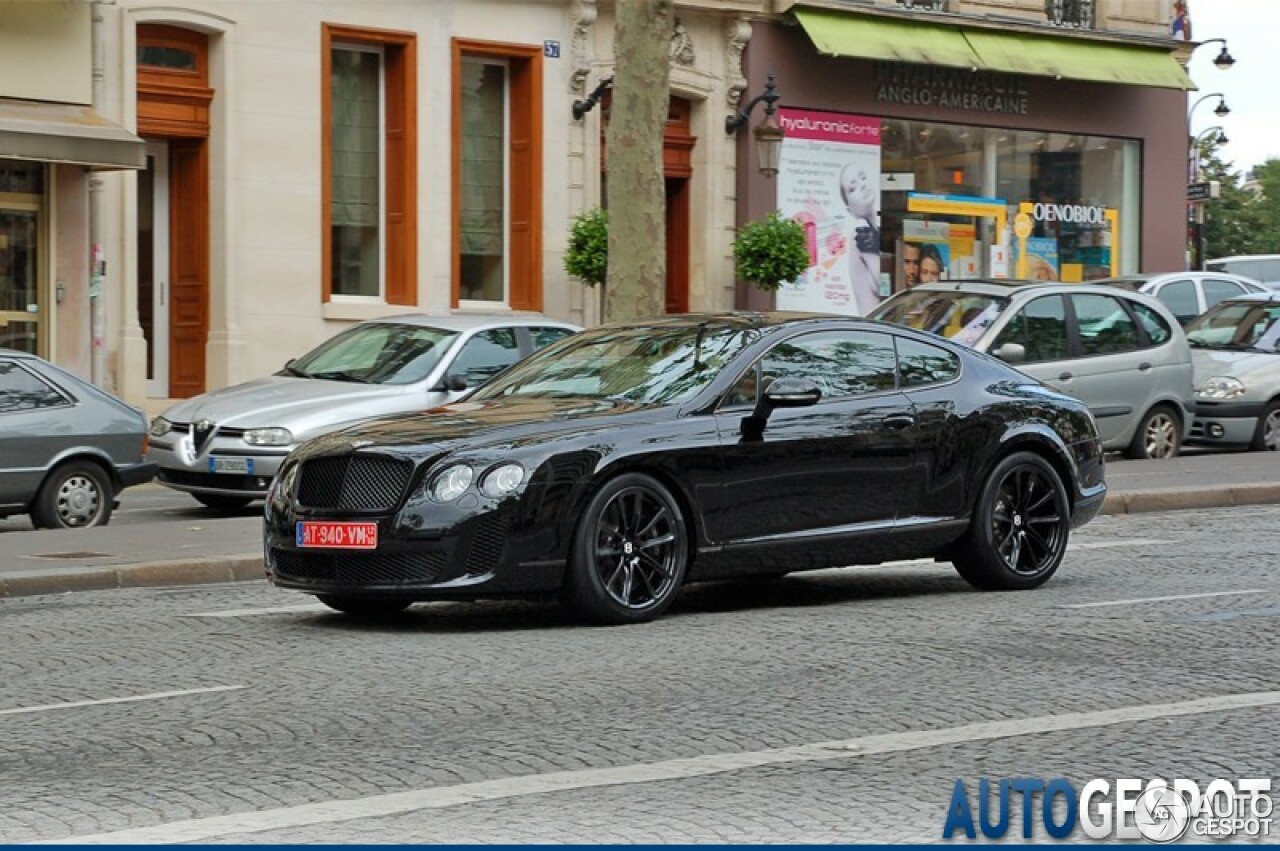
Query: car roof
[[999, 286], [472, 321], [732, 319]]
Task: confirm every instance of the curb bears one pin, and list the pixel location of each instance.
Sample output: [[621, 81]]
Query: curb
[[1177, 499], [199, 571], [195, 571]]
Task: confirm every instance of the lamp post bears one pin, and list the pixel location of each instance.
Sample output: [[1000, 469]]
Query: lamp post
[[1195, 212], [1224, 59], [768, 133]]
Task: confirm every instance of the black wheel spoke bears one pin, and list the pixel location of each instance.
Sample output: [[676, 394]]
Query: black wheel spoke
[[656, 542], [1015, 555], [659, 565]]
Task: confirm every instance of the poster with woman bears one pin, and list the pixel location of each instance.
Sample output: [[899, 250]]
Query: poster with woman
[[829, 181]]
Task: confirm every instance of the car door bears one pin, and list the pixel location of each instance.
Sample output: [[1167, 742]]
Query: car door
[[937, 486], [32, 430], [829, 469], [1220, 289], [1115, 374]]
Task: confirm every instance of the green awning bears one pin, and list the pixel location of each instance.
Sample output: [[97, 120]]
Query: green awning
[[837, 33], [889, 39], [1075, 59]]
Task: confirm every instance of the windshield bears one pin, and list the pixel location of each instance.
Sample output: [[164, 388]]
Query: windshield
[[645, 364], [1237, 325], [962, 317], [376, 353]]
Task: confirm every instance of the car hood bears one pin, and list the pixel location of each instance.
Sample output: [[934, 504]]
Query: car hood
[[298, 404], [476, 425], [1243, 365]]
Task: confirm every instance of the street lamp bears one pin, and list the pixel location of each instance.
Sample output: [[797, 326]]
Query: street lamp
[[1221, 110], [1224, 59], [768, 133]]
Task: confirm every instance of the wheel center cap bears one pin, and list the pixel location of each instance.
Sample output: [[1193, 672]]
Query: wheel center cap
[[1017, 520], [628, 548]]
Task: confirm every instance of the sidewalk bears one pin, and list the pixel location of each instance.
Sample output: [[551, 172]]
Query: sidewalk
[[214, 549]]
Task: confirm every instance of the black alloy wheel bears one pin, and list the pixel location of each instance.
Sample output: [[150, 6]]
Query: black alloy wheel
[[365, 608], [630, 553], [1018, 534]]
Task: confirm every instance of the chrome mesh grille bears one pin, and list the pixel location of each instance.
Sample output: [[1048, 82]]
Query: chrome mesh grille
[[353, 482]]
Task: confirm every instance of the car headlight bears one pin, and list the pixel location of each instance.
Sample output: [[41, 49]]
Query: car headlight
[[502, 480], [1221, 387], [160, 427], [268, 437], [451, 483]]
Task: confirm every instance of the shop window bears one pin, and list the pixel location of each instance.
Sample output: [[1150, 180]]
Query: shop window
[[497, 174], [369, 165]]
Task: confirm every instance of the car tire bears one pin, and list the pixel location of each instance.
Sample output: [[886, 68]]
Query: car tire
[[1267, 434], [1158, 436], [630, 553], [1018, 533], [76, 495], [222, 503], [369, 608]]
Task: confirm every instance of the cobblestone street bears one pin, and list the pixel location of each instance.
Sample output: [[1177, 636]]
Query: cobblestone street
[[829, 707]]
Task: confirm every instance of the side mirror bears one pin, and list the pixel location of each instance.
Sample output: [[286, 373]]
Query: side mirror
[[791, 393], [1011, 353], [455, 383]]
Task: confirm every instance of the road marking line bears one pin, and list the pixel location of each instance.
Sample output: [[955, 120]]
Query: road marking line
[[397, 803], [1162, 599], [159, 695], [1127, 542], [272, 610]]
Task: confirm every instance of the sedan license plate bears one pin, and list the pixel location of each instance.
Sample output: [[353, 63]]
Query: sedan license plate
[[337, 535], [243, 466]]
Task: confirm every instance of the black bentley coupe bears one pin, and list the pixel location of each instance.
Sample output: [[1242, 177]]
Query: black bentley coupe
[[620, 463]]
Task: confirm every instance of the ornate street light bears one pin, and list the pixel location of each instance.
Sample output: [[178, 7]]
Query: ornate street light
[[768, 133]]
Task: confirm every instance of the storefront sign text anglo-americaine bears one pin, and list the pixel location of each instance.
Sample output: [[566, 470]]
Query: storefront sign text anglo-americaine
[[951, 88]]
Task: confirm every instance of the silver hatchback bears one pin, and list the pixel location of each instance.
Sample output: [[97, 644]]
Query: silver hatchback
[[1121, 353], [67, 448], [224, 447]]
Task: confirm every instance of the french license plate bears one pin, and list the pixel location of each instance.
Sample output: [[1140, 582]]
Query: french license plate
[[337, 535], [243, 466]]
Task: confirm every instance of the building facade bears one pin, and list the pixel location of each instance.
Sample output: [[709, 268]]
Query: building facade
[[947, 139]]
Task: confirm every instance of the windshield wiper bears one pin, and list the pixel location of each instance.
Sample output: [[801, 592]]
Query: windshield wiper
[[340, 375], [295, 372]]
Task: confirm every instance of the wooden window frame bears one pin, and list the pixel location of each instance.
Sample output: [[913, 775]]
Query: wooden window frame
[[524, 156], [161, 35], [400, 143]]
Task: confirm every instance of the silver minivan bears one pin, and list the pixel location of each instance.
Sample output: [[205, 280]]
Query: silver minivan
[[1122, 353]]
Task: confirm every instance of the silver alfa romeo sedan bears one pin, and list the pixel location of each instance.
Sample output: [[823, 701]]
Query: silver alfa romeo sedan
[[225, 446]]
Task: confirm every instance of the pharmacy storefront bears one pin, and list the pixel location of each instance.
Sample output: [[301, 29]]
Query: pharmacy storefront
[[905, 172]]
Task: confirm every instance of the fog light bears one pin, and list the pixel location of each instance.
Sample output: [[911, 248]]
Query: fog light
[[1216, 430]]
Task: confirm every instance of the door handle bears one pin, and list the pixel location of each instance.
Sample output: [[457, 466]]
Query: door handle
[[897, 422], [1144, 367], [1066, 376]]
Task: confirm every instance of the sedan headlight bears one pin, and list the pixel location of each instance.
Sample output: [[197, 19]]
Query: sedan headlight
[[451, 483], [1221, 387], [502, 480], [268, 437], [160, 427]]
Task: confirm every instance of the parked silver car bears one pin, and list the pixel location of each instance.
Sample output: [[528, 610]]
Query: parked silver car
[[1235, 348], [67, 448], [1122, 353], [1187, 294], [224, 447]]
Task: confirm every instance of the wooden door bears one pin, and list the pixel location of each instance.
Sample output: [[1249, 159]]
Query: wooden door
[[189, 267], [677, 245]]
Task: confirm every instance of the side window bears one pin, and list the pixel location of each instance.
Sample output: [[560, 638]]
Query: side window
[[920, 363], [1217, 289], [485, 355], [1041, 327], [546, 336], [20, 390], [1158, 331], [841, 363], [1105, 326], [1180, 297]]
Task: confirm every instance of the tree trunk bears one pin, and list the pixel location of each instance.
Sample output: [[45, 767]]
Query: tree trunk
[[635, 185]]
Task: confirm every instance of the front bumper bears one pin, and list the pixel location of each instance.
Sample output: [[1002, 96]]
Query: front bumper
[[138, 473], [223, 466], [1225, 423]]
